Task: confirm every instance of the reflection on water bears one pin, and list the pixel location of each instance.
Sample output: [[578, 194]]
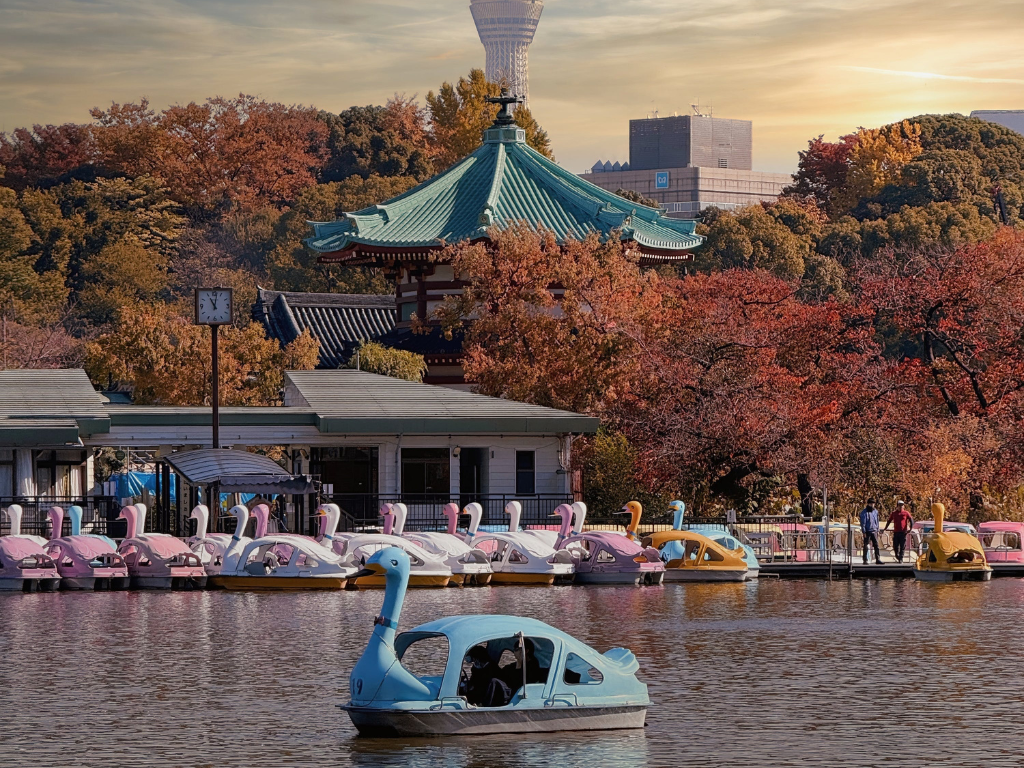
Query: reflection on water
[[792, 673]]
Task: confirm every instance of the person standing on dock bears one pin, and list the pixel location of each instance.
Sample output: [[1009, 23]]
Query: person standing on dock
[[869, 527], [902, 522]]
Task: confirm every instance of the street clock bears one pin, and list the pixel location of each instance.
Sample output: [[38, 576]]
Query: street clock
[[213, 306]]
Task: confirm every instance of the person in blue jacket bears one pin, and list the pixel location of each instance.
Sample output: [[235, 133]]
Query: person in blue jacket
[[869, 527]]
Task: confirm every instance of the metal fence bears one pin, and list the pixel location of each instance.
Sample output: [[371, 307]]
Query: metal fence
[[361, 510], [99, 514]]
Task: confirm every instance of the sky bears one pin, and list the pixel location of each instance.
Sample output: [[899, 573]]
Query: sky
[[797, 68]]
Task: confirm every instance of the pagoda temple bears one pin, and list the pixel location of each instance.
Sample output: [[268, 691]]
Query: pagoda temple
[[502, 182]]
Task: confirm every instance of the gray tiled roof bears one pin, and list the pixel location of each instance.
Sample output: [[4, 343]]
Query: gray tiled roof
[[339, 321], [43, 407], [357, 402]]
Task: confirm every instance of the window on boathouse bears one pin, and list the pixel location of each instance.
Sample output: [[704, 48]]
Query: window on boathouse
[[526, 473], [426, 472]]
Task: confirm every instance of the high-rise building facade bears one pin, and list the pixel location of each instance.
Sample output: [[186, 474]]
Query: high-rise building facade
[[685, 141], [506, 28], [1008, 118]]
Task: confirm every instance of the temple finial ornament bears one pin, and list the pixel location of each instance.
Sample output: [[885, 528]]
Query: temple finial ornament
[[506, 99]]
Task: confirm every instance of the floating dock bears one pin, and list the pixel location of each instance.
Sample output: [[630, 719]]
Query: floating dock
[[905, 570]]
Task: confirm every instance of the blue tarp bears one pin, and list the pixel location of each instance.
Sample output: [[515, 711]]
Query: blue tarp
[[132, 484]]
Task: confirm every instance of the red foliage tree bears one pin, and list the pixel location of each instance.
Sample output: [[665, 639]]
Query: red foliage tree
[[822, 170], [41, 155]]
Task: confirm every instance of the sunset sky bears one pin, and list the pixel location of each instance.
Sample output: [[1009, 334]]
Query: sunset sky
[[797, 68]]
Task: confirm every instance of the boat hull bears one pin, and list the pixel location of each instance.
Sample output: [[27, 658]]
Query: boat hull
[[169, 582], [620, 578], [279, 583], [94, 583], [538, 579], [398, 723], [415, 580], [949, 576], [696, 574], [30, 585], [470, 579]]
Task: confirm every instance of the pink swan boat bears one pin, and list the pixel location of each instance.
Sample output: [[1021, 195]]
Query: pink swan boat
[[84, 561], [24, 564], [157, 560]]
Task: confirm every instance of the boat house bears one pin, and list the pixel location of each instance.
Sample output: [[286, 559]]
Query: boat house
[[362, 439]]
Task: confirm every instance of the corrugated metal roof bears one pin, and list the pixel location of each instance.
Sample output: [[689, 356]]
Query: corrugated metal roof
[[237, 470], [338, 321], [49, 406], [356, 402], [502, 182]]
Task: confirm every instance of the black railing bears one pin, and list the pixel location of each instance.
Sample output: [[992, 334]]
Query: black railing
[[425, 510], [99, 514]]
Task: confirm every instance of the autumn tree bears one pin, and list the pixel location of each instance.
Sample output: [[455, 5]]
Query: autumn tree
[[460, 113], [518, 346], [41, 155], [159, 352], [396, 363]]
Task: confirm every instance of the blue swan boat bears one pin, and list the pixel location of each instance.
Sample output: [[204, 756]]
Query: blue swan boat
[[503, 674]]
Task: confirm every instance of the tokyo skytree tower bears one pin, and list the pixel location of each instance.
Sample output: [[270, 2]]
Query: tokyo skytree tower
[[506, 28]]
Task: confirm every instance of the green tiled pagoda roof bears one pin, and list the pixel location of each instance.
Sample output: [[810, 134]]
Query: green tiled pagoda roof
[[502, 182]]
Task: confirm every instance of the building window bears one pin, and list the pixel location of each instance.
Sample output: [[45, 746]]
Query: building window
[[723, 162], [6, 472], [526, 473], [406, 311], [426, 473]]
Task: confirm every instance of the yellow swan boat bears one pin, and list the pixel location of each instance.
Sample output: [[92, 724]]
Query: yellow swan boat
[[692, 557], [951, 555]]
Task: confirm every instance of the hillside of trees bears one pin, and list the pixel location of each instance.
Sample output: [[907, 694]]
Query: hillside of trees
[[107, 227]]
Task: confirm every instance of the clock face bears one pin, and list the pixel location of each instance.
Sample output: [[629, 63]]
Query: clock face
[[213, 306]]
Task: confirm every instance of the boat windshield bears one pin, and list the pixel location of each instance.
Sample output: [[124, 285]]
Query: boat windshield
[[426, 657], [493, 671], [1000, 540]]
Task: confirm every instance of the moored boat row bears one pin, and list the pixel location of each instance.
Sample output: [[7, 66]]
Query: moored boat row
[[334, 560]]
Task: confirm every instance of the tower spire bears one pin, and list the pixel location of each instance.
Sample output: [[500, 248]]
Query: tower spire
[[506, 29]]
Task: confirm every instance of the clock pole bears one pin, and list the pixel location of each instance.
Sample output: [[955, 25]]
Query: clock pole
[[216, 386]]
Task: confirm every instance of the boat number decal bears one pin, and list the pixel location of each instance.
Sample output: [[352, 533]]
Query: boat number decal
[[359, 687]]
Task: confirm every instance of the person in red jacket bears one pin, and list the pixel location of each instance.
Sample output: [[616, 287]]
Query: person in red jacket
[[902, 522]]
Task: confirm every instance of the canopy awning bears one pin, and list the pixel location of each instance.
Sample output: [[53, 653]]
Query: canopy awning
[[237, 471]]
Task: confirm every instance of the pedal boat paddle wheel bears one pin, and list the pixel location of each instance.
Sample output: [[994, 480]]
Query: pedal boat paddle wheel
[[702, 559], [951, 555], [566, 685]]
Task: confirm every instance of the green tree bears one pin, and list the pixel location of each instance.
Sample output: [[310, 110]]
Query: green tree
[[754, 239], [384, 141], [294, 267], [396, 363], [636, 197]]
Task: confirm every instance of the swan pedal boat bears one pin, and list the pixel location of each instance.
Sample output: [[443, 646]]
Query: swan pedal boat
[[84, 561], [579, 688], [24, 564], [702, 560], [157, 560], [469, 566], [951, 555]]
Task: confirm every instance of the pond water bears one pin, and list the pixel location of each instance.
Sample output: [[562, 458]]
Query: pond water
[[780, 673]]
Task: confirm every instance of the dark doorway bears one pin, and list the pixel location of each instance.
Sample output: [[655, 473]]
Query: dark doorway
[[353, 473], [472, 474]]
